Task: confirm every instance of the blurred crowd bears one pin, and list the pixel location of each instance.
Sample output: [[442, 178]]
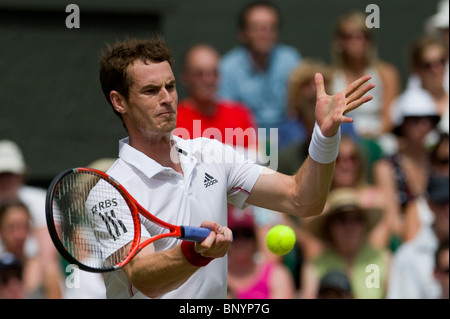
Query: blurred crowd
[[385, 229]]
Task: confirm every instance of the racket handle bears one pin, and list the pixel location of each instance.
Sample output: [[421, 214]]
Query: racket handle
[[197, 234]]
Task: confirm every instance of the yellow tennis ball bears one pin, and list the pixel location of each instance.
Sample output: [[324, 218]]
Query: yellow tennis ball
[[280, 239]]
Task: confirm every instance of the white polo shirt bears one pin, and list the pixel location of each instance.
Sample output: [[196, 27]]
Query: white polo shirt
[[214, 174]]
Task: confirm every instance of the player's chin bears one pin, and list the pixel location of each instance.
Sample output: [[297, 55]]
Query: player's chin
[[168, 126]]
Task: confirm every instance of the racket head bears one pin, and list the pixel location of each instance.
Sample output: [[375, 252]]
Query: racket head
[[91, 220]]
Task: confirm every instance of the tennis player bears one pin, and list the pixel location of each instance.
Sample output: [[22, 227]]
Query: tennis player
[[189, 182]]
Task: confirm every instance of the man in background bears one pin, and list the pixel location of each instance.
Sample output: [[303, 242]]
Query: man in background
[[202, 113], [257, 71]]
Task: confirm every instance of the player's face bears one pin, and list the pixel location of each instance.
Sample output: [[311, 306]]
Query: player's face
[[153, 99]]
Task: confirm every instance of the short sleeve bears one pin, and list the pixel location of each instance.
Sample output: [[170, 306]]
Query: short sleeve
[[242, 175]]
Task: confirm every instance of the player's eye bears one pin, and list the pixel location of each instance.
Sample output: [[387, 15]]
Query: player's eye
[[152, 91]]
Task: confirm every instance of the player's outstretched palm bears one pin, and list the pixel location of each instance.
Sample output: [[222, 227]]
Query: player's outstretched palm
[[331, 109]]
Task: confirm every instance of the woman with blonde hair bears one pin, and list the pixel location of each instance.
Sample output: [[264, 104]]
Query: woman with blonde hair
[[301, 102], [427, 65], [354, 52]]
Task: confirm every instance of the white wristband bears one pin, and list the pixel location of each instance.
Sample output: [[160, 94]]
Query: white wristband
[[324, 149]]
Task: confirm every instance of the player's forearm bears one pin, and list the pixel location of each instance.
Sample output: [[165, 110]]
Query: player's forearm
[[312, 183], [158, 273]]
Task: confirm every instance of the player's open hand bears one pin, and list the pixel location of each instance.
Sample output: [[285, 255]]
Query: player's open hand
[[217, 243], [331, 109]]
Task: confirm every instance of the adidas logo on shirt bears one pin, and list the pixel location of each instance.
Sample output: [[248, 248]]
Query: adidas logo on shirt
[[209, 180]]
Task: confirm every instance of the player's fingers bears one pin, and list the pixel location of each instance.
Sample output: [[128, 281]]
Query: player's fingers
[[355, 104], [222, 242], [226, 237], [214, 226], [320, 86], [207, 243], [356, 84], [360, 92]]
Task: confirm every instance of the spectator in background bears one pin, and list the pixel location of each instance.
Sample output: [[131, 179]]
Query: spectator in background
[[437, 25], [403, 176], [297, 129], [343, 227], [12, 187], [11, 277], [441, 268], [350, 171], [295, 133], [301, 102], [354, 52], [250, 275], [414, 262], [202, 113], [15, 228], [335, 285], [428, 58], [257, 71], [440, 155]]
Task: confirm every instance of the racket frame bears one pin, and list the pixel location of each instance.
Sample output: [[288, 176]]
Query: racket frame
[[135, 209]]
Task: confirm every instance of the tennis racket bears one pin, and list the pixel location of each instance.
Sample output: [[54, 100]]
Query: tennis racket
[[95, 223]]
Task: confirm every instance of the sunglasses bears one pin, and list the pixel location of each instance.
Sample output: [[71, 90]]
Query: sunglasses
[[352, 158], [354, 36], [349, 218], [428, 65], [442, 161]]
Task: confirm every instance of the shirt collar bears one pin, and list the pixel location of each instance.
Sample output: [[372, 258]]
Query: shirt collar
[[251, 64], [150, 167]]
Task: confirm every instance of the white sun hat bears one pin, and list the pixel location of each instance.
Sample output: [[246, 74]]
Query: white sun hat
[[11, 158], [413, 102], [440, 19]]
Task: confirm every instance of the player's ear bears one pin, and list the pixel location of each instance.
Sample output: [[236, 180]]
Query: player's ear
[[118, 101]]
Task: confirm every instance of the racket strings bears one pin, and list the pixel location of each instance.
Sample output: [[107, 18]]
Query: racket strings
[[94, 222]]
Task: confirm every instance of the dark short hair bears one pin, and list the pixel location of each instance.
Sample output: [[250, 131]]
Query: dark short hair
[[242, 17], [116, 59]]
